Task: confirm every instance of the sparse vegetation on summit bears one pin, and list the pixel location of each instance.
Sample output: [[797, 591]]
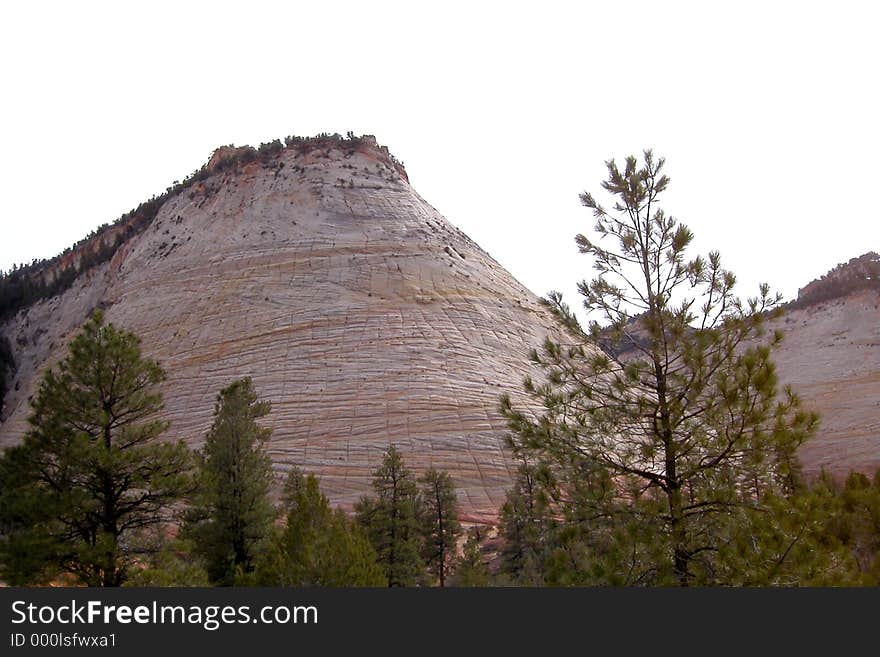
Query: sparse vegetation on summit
[[26, 284], [862, 273]]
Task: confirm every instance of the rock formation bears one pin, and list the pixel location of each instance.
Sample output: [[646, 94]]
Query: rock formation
[[830, 354], [362, 314]]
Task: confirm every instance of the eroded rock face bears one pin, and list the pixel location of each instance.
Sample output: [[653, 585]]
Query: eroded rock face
[[830, 355], [362, 314]]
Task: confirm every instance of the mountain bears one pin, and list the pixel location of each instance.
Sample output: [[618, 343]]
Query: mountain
[[362, 314], [830, 354]]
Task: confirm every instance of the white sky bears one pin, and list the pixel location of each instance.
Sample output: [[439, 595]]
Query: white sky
[[767, 113]]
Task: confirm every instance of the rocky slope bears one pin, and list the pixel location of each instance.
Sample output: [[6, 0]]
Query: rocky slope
[[831, 356], [362, 314]]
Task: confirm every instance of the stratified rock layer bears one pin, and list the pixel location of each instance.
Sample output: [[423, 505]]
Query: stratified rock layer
[[361, 314]]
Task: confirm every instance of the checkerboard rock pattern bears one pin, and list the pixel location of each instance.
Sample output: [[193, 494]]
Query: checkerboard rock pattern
[[363, 315]]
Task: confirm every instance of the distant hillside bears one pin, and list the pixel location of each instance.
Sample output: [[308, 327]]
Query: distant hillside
[[830, 354]]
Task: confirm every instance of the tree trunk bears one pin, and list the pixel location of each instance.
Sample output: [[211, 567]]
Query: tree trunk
[[110, 576], [441, 538]]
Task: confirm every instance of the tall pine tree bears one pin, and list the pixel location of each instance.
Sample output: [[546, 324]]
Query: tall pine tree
[[232, 516], [317, 546], [525, 524], [470, 568], [667, 447], [91, 479], [391, 520], [439, 523]]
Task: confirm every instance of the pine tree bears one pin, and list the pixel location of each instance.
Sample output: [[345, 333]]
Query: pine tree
[[849, 518], [308, 517], [470, 569], [232, 515], [391, 520], [859, 522], [91, 479], [666, 445], [173, 564], [318, 546], [440, 522], [525, 525], [784, 542]]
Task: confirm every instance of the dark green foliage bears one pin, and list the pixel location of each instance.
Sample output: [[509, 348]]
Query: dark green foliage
[[231, 516], [318, 546], [783, 542], [851, 519], [27, 556], [439, 522], [91, 480], [525, 525], [673, 462], [270, 149], [470, 568], [7, 367], [391, 520], [172, 564]]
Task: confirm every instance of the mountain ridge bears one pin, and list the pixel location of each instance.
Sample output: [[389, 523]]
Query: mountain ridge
[[46, 277]]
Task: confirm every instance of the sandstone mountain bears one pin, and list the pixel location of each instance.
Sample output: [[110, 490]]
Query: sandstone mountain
[[831, 356], [362, 314]]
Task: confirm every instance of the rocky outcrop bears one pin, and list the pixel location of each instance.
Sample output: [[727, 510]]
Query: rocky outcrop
[[362, 314], [862, 273]]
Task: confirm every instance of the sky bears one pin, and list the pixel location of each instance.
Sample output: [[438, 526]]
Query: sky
[[766, 112]]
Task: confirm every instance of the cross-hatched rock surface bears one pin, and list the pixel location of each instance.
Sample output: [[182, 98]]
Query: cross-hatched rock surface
[[363, 315]]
